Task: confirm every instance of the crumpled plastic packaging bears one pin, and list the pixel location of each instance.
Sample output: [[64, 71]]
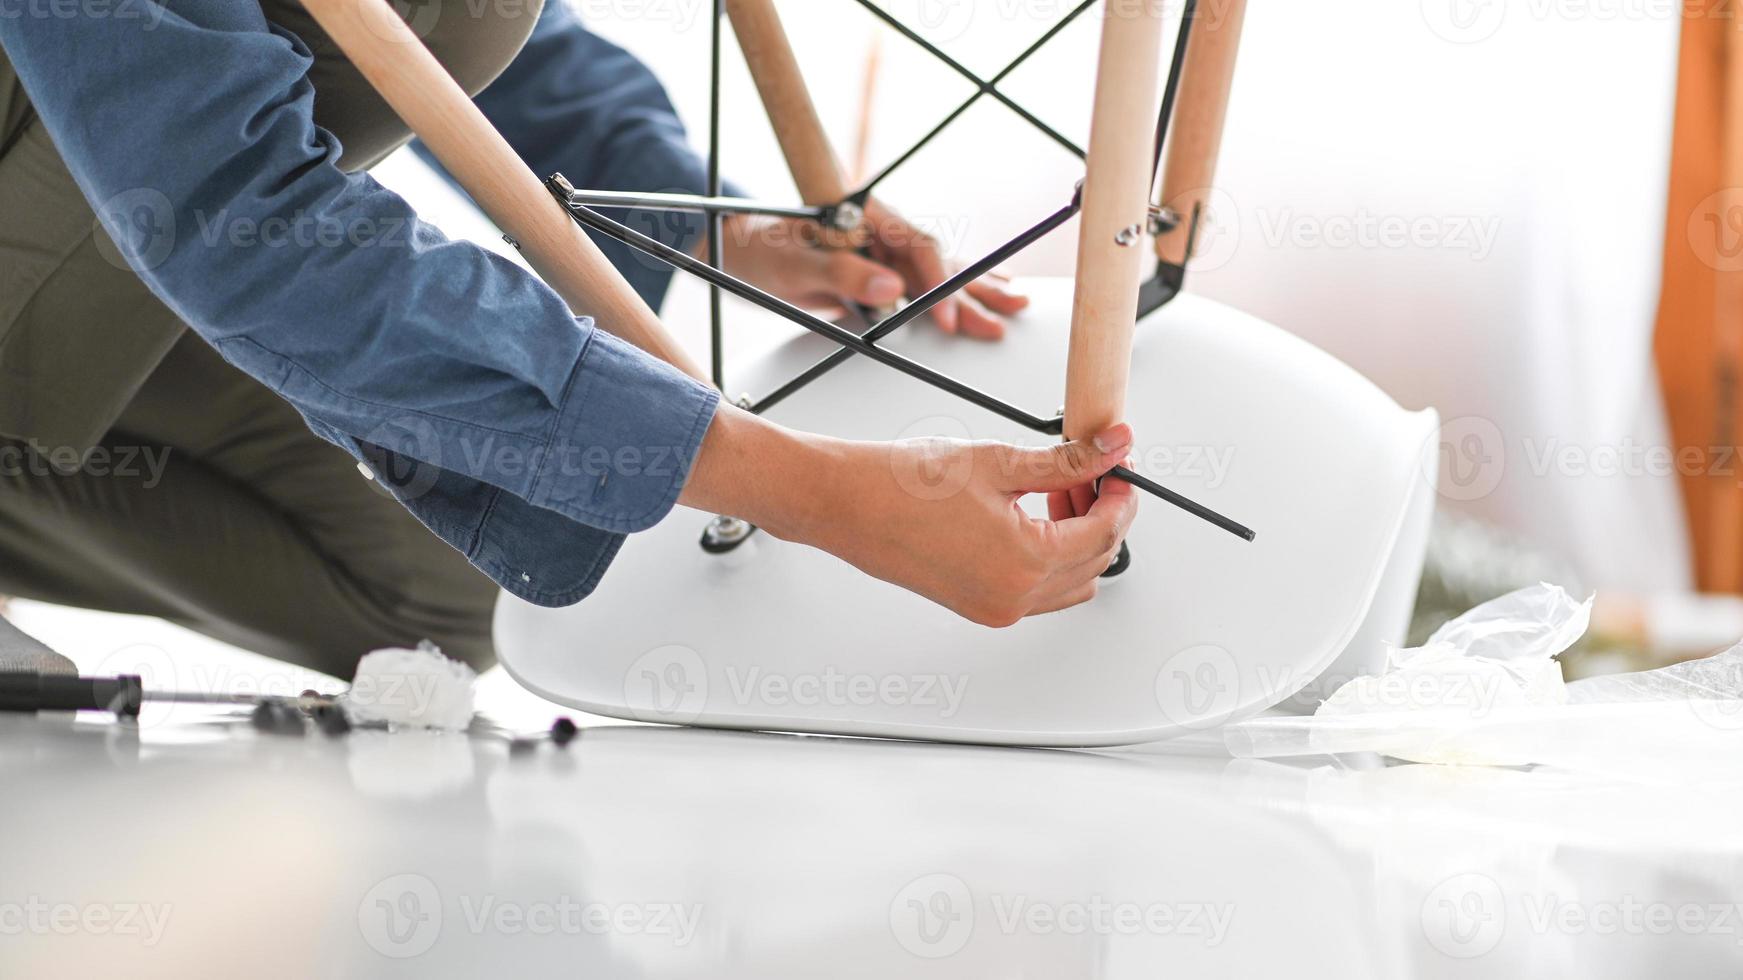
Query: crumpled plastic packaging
[[1498, 655], [421, 688], [1485, 690]]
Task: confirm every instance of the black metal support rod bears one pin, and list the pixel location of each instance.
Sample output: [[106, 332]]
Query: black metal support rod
[[589, 218], [925, 302], [963, 70], [1192, 507], [704, 204], [592, 219], [866, 189], [1176, 65], [716, 221]]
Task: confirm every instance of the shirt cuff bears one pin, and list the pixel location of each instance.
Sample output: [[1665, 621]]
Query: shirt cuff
[[627, 436]]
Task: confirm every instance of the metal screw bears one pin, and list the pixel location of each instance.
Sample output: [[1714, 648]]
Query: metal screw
[[847, 216], [724, 531]]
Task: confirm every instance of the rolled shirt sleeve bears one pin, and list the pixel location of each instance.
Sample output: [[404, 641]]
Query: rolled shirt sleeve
[[523, 435]]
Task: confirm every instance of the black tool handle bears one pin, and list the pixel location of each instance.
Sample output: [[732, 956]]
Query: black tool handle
[[32, 691]]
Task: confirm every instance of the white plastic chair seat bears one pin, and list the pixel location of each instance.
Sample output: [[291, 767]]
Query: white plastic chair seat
[[1335, 477]]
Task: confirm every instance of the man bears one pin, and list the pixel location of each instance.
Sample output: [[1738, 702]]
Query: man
[[223, 143]]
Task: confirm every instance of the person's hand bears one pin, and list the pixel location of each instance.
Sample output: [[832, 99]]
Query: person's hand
[[939, 517], [780, 256]]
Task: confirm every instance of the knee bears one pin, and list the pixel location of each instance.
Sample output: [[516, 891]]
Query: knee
[[474, 41]]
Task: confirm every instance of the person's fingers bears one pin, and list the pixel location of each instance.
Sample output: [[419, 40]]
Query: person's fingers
[[1082, 498], [1066, 465], [860, 279], [972, 321], [925, 269], [922, 258], [997, 296], [947, 314], [1099, 532], [1060, 506]]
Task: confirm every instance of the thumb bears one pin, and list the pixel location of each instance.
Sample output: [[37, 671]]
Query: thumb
[[855, 277], [1070, 464]]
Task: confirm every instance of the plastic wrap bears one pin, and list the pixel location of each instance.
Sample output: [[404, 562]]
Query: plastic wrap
[[1485, 690]]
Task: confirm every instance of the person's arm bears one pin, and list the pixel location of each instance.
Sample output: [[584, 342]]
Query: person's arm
[[192, 132]]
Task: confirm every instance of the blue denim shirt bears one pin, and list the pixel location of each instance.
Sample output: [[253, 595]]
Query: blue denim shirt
[[524, 436]]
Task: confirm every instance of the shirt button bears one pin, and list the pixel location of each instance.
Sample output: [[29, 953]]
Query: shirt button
[[362, 467]]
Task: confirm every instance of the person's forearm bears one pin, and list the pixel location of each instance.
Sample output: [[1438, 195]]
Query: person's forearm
[[962, 542], [771, 476]]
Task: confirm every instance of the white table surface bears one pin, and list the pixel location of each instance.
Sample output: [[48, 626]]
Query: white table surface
[[190, 846]]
